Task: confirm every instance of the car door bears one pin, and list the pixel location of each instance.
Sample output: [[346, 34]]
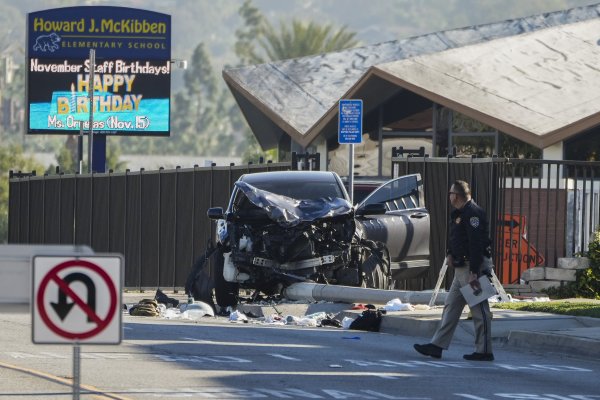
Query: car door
[[404, 227]]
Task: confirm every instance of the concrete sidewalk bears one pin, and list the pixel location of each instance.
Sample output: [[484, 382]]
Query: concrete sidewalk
[[519, 329], [527, 330]]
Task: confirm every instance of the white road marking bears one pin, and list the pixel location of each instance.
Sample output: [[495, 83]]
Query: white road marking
[[283, 357], [255, 344], [262, 393]]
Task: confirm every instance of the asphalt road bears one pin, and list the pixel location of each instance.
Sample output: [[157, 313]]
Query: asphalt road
[[217, 359]]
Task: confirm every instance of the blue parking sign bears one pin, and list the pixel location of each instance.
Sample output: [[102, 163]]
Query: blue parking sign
[[350, 122]]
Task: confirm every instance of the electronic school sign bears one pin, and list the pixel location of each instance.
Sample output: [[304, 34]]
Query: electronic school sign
[[131, 79]]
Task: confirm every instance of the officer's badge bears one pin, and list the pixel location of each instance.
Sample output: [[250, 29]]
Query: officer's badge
[[457, 220], [474, 221]]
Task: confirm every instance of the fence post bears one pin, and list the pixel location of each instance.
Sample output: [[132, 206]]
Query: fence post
[[159, 225], [177, 168], [125, 211], [60, 208], [193, 241], [110, 171], [140, 233], [44, 208], [472, 174]]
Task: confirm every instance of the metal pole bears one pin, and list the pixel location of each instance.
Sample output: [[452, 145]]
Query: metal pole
[[351, 173], [434, 152], [91, 96], [308, 291], [80, 149], [380, 142], [76, 371]]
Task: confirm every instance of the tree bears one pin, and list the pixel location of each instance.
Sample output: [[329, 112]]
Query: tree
[[199, 123], [254, 28], [11, 88], [304, 39], [199, 117], [259, 42], [113, 155], [67, 161], [11, 158], [202, 96]]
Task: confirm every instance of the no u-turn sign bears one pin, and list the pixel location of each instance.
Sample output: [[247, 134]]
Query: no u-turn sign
[[77, 300]]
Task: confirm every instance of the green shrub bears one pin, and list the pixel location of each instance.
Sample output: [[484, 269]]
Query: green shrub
[[587, 283]]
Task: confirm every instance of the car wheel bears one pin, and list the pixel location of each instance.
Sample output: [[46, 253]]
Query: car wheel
[[226, 293], [375, 268], [203, 280]]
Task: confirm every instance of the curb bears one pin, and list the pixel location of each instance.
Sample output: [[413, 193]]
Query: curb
[[421, 326], [558, 343]]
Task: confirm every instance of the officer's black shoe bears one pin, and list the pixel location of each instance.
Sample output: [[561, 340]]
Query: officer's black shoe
[[479, 357], [429, 349]]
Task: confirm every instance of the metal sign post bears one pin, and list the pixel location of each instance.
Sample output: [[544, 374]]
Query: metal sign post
[[80, 149], [91, 96], [350, 132], [77, 301], [351, 172], [76, 371]]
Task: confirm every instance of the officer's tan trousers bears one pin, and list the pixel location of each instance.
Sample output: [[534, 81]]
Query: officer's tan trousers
[[454, 305]]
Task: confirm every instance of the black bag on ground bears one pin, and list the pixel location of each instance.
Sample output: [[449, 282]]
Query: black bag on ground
[[162, 298], [369, 320]]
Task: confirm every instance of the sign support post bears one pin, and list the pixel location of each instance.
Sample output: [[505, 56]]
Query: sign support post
[[87, 312], [350, 114], [80, 149], [91, 97], [76, 371], [351, 172]]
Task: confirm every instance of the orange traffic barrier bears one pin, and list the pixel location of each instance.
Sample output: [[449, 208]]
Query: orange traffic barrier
[[517, 253]]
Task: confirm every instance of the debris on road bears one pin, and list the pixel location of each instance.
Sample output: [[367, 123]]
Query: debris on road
[[397, 305], [236, 316], [369, 320], [196, 310], [145, 308]]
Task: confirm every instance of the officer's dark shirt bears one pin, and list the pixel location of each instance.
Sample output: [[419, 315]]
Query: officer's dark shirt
[[469, 236]]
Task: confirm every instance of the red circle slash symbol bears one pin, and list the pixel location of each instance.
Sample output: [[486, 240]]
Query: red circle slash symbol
[[62, 308]]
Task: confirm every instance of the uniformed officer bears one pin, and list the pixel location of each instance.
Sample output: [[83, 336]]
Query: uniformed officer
[[469, 253]]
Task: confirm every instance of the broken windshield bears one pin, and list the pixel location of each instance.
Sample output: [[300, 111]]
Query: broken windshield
[[288, 211]]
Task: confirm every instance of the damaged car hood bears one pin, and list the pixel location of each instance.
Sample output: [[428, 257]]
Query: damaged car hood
[[288, 212]]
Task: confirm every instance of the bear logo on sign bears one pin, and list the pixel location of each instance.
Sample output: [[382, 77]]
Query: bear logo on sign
[[47, 43]]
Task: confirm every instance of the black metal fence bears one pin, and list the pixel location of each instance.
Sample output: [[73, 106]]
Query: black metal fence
[[156, 219], [539, 210]]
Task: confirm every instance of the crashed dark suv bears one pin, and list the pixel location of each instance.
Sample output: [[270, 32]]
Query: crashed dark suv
[[296, 226]]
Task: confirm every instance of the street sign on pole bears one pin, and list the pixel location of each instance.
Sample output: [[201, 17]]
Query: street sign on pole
[[350, 132], [91, 89], [77, 300], [350, 122]]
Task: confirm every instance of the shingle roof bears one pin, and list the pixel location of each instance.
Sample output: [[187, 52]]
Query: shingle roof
[[548, 52]]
